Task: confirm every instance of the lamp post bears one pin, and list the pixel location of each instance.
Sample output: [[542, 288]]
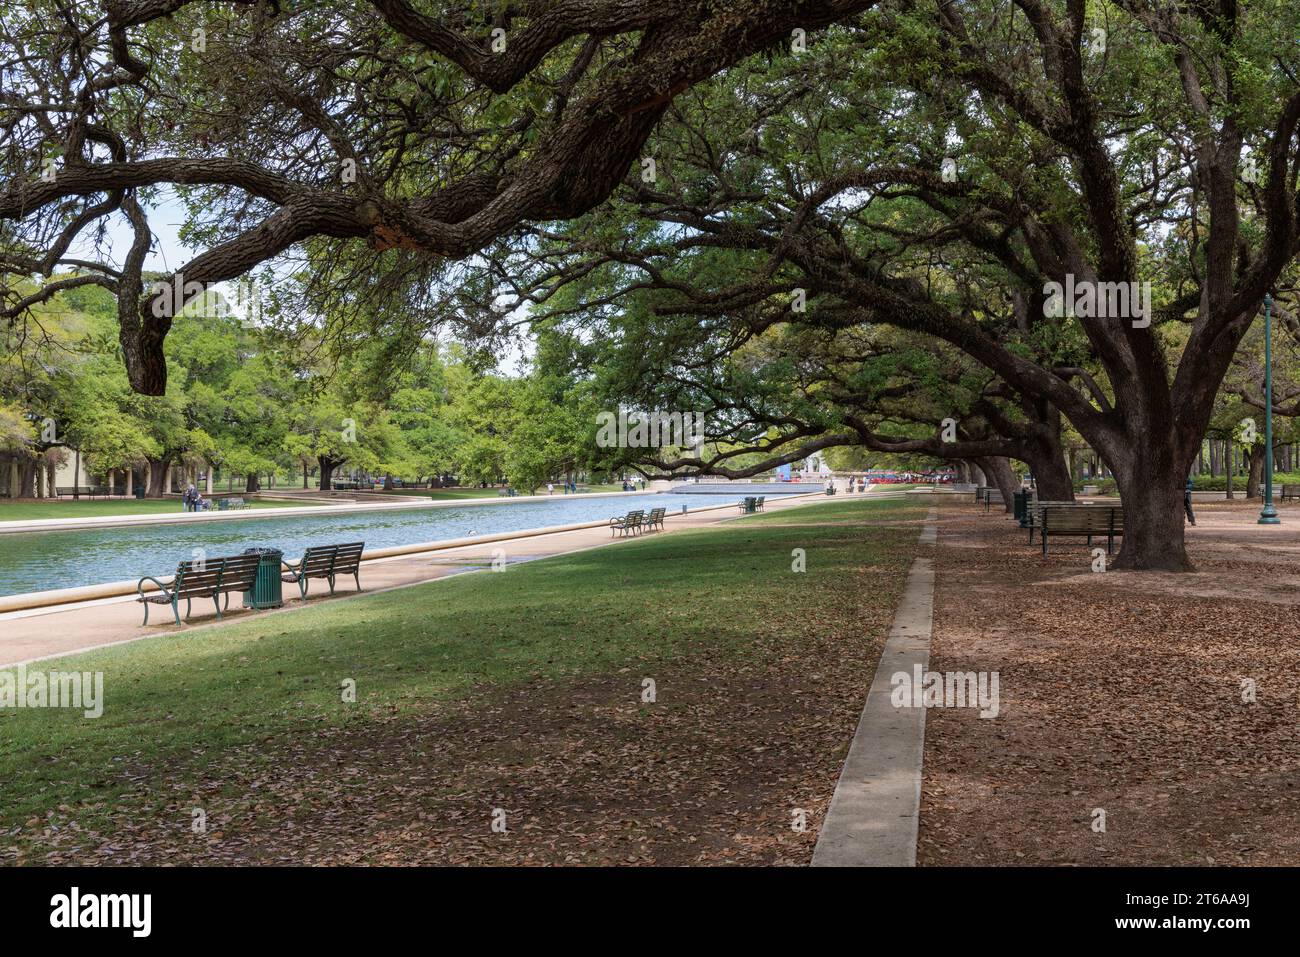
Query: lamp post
[[1268, 514]]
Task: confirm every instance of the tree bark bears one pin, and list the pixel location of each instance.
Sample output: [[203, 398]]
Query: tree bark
[[326, 473], [1052, 478], [998, 468], [1153, 510], [1255, 457], [252, 482], [158, 472]]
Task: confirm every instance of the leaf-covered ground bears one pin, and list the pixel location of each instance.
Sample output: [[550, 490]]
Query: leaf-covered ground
[[519, 691], [1121, 692]]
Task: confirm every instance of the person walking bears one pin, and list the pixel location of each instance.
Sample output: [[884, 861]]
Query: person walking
[[1187, 501], [188, 497]]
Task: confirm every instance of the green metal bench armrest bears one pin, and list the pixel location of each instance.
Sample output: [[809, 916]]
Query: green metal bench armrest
[[139, 587]]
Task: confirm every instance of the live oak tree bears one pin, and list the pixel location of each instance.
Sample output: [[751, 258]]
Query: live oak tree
[[416, 131], [938, 166]]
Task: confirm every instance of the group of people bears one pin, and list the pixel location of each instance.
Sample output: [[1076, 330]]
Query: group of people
[[194, 500]]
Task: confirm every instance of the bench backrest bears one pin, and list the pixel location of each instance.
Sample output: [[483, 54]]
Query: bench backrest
[[318, 560], [1290, 488], [204, 576], [657, 513], [1036, 508], [348, 558]]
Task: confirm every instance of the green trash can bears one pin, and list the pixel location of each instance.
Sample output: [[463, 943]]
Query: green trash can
[[266, 587], [1020, 506]]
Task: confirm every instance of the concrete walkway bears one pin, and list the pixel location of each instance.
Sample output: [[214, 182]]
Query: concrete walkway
[[59, 630], [875, 812]]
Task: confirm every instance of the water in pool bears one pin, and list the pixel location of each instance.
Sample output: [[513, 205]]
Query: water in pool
[[45, 560]]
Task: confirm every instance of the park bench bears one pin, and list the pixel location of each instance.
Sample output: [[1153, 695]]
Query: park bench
[[758, 503], [992, 496], [77, 491], [225, 504], [656, 518], [631, 522], [1290, 490], [1082, 520], [1034, 511], [325, 561], [203, 578], [1034, 514], [748, 504]]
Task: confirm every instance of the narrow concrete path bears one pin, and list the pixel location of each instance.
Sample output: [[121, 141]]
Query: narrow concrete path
[[52, 632], [875, 811]]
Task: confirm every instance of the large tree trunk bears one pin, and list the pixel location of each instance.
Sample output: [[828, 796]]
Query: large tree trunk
[[252, 482], [1230, 467], [998, 469], [1151, 486], [326, 473], [159, 470], [1052, 478], [1255, 475]]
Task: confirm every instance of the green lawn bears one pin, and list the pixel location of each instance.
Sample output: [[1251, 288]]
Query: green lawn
[[841, 508], [101, 508], [173, 700]]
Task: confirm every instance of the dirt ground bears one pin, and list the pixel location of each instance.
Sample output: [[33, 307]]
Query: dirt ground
[[1121, 692]]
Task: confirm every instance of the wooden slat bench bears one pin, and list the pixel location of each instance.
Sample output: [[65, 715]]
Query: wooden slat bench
[[1082, 521], [631, 522], [77, 491], [992, 496], [1034, 513], [1290, 490], [325, 561], [204, 578], [656, 518]]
